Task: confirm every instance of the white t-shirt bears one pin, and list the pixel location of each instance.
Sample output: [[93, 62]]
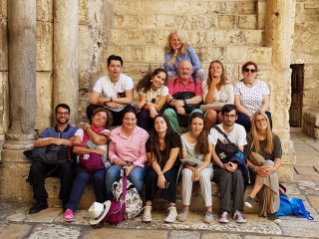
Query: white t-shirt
[[224, 95], [155, 94], [251, 98], [190, 147], [236, 136], [105, 86], [80, 133]]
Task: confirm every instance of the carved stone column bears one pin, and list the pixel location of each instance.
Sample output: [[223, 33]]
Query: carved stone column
[[22, 73], [279, 27], [66, 86]]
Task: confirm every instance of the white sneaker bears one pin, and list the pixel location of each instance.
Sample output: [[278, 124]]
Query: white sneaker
[[239, 217], [171, 215], [223, 218], [147, 215]]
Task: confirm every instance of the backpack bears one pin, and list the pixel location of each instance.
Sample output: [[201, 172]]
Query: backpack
[[293, 206]]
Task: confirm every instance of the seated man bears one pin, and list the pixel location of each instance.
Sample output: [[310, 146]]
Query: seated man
[[61, 134], [185, 95], [117, 90], [227, 175]]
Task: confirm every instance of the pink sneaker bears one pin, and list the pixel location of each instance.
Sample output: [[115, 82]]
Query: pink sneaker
[[68, 216]]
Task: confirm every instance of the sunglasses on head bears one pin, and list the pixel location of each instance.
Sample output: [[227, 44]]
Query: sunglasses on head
[[251, 70]]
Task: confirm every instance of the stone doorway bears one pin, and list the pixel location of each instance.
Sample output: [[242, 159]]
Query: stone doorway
[[297, 81]]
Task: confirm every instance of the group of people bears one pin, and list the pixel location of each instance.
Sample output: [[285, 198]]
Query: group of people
[[149, 145]]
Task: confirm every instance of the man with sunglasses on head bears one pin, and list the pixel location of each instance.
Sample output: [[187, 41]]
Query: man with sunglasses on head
[[228, 175], [61, 134]]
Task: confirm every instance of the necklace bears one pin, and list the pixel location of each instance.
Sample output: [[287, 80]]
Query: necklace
[[250, 84]]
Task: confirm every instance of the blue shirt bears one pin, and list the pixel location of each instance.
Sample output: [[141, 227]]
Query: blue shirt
[[55, 133], [189, 55]]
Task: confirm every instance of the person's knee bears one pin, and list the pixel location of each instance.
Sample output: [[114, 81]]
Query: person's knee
[[187, 173], [268, 162], [211, 115], [170, 113], [237, 175]]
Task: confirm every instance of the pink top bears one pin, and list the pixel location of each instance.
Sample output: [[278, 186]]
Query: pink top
[[189, 87], [129, 149]]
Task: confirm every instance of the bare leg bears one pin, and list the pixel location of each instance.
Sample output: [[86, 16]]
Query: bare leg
[[210, 121], [268, 200], [256, 188], [186, 207], [148, 203], [209, 208], [219, 117]]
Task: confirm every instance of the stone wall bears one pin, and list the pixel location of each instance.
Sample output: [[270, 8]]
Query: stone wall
[[306, 50]]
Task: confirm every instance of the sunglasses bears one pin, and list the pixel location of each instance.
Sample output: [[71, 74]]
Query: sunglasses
[[251, 70]]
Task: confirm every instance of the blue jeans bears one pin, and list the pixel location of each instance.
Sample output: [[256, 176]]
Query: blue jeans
[[136, 177], [81, 180]]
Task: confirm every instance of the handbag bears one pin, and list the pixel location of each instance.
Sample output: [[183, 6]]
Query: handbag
[[293, 206], [225, 151]]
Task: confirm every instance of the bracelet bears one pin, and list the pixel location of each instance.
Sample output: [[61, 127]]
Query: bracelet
[[185, 102]]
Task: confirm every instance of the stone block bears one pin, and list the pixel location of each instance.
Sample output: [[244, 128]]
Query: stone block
[[14, 230], [232, 73], [311, 15], [86, 55], [147, 22], [3, 9], [254, 37], [161, 37], [231, 7], [131, 21], [209, 54], [165, 21], [118, 38], [200, 8], [300, 17], [136, 70], [44, 46], [247, 8], [164, 6], [226, 22], [3, 44], [135, 38], [135, 54], [180, 7], [42, 230], [44, 100], [44, 10], [217, 7], [114, 233], [313, 5], [153, 54], [123, 7], [4, 104], [234, 37], [312, 118], [247, 22], [261, 13], [286, 172]]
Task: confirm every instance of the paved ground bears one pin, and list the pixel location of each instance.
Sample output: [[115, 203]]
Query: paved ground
[[16, 223]]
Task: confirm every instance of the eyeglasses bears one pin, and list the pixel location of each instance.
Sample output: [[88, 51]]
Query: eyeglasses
[[260, 120], [251, 70], [229, 116], [62, 113]]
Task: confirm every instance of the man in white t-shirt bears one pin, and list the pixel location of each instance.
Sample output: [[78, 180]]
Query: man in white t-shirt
[[227, 175], [114, 91]]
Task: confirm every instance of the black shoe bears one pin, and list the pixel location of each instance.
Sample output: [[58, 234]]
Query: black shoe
[[39, 206], [273, 217]]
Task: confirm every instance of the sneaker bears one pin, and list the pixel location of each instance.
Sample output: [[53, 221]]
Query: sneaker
[[223, 218], [68, 216], [273, 217], [239, 217], [171, 215], [208, 217], [182, 217], [249, 202], [147, 215], [39, 206]]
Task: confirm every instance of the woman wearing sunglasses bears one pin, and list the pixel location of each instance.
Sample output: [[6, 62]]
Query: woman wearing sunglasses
[[251, 95]]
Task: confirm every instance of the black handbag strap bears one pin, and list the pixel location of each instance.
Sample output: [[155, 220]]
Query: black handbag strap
[[225, 136]]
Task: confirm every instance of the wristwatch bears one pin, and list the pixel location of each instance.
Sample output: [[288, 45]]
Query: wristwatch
[[255, 169]]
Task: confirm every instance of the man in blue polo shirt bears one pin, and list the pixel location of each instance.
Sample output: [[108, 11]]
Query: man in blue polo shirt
[[61, 134]]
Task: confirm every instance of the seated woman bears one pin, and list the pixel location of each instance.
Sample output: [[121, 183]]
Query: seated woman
[[216, 88], [162, 150], [177, 50], [261, 140], [127, 151], [90, 144], [251, 95], [196, 154], [152, 96]]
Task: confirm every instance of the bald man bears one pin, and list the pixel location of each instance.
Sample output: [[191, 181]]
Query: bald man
[[185, 96]]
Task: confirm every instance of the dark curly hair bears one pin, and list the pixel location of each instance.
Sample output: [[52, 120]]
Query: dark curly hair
[[145, 83], [202, 145]]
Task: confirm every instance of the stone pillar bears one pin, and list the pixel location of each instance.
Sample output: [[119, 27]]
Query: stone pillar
[[22, 73], [279, 27], [66, 86]]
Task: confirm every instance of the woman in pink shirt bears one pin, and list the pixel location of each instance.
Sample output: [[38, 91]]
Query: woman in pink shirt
[[127, 151]]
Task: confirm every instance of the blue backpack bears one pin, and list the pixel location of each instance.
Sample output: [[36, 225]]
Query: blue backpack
[[293, 206]]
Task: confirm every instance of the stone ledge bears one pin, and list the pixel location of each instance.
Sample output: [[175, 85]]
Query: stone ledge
[[311, 124]]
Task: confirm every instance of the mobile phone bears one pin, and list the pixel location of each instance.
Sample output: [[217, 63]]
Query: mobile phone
[[167, 184]]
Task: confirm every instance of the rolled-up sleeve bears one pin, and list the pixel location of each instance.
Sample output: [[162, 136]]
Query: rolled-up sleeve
[[194, 58]]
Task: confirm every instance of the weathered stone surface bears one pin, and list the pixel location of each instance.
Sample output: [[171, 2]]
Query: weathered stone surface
[[4, 103], [226, 21], [114, 233], [247, 8], [14, 231], [255, 38], [44, 100], [47, 215], [184, 234], [44, 46], [314, 201], [18, 217], [3, 8], [307, 170], [45, 10], [302, 228], [259, 55], [50, 231], [247, 22], [3, 44], [261, 10], [221, 236]]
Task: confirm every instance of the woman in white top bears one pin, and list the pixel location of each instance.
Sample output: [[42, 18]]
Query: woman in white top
[[196, 154], [216, 88], [152, 96], [251, 95]]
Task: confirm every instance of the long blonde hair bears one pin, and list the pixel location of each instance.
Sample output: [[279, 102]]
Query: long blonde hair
[[254, 132], [181, 36], [223, 79]]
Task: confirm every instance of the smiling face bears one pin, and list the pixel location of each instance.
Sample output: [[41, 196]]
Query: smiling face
[[129, 121], [197, 125], [185, 70], [160, 125], [215, 70], [261, 123], [99, 119], [229, 118], [158, 80], [175, 42], [114, 68], [62, 115], [249, 73]]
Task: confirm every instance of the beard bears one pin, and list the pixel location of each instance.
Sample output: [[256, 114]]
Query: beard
[[65, 121], [229, 124]]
